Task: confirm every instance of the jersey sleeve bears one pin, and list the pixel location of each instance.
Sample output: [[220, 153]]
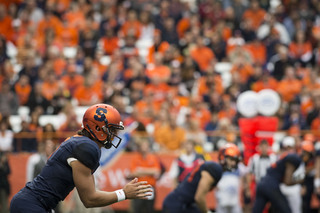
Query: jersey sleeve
[[214, 169], [293, 159], [318, 152], [87, 155]]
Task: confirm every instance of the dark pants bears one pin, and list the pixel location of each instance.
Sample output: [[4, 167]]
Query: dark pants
[[269, 191], [173, 204], [306, 205], [24, 202]]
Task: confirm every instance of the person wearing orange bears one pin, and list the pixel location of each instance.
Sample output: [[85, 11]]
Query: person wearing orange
[[202, 55], [146, 166], [23, 89], [132, 26], [265, 81], [158, 46], [300, 49], [255, 14], [290, 86], [169, 135], [158, 70], [5, 24], [109, 42], [71, 79], [50, 86], [90, 92]]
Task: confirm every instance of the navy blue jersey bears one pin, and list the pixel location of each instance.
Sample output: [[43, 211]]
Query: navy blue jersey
[[277, 170], [55, 181], [318, 152], [187, 188]]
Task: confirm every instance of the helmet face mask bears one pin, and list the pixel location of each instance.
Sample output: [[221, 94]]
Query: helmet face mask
[[229, 157], [103, 122]]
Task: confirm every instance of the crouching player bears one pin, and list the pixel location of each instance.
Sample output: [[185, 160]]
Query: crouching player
[[190, 194]]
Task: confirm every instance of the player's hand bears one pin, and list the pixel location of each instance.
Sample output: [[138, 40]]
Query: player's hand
[[137, 190]]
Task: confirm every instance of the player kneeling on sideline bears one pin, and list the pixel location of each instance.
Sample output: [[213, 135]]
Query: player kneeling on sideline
[[73, 164], [190, 194]]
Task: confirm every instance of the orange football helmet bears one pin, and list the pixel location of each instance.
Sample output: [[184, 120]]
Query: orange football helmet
[[229, 151], [103, 121]]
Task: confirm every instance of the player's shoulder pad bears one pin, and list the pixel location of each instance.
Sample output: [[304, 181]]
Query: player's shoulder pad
[[214, 169], [294, 159], [88, 154]]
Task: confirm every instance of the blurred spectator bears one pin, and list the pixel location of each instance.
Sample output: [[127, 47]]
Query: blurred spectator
[[4, 182], [169, 135], [146, 167], [195, 133], [108, 42], [185, 163], [202, 55], [36, 99], [6, 136], [9, 102], [90, 92], [300, 48], [23, 89], [255, 14], [49, 133], [5, 23], [273, 26], [23, 141], [38, 160], [289, 86]]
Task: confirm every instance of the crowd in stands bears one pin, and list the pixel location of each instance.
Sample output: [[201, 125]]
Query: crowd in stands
[[156, 61]]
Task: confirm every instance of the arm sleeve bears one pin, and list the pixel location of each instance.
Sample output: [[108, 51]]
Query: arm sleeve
[[214, 169], [87, 155]]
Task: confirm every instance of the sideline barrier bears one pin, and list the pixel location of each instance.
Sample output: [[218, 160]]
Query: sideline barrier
[[114, 173]]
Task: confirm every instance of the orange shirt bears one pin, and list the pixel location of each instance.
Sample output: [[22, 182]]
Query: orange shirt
[[202, 56], [182, 26], [52, 22], [6, 28], [160, 72], [289, 89], [297, 50], [258, 52], [270, 83], [68, 35], [170, 138], [256, 17], [23, 92], [204, 88], [131, 28], [72, 83], [244, 71], [59, 65], [109, 44], [164, 46], [88, 95], [49, 89], [150, 161]]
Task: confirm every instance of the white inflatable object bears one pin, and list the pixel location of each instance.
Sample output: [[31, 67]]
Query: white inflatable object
[[247, 104], [268, 102]]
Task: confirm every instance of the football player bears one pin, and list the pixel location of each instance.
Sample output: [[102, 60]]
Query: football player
[[190, 194], [73, 164]]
